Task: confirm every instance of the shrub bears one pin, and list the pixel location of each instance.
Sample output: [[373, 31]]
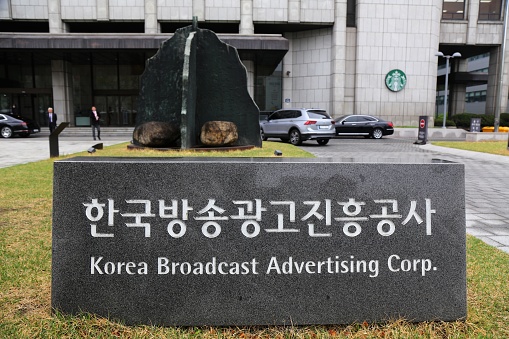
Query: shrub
[[504, 119], [439, 122], [463, 120]]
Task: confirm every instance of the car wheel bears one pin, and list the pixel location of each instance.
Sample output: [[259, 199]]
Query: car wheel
[[264, 138], [6, 132], [295, 138], [377, 133], [322, 142]]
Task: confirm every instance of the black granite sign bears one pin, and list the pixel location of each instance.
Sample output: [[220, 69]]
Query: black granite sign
[[258, 241], [475, 125]]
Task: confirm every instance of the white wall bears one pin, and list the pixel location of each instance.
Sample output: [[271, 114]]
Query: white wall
[[311, 68], [397, 35]]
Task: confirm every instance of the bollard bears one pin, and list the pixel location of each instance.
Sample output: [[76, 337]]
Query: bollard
[[423, 131], [53, 139]]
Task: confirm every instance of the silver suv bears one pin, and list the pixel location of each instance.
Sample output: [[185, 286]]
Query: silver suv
[[299, 124]]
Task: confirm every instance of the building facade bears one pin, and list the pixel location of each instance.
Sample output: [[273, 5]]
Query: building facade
[[346, 56]]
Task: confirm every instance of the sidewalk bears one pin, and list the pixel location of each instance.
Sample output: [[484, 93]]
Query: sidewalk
[[486, 177], [15, 151], [486, 193]]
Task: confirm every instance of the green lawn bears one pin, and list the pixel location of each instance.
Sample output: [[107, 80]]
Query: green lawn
[[25, 275], [492, 147]]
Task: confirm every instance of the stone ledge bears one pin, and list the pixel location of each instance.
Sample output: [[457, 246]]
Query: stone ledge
[[486, 136]]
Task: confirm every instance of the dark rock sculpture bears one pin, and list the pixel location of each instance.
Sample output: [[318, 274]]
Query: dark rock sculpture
[[219, 133], [195, 78]]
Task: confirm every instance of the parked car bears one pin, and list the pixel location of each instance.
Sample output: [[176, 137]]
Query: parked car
[[264, 115], [366, 125], [298, 124], [14, 124]]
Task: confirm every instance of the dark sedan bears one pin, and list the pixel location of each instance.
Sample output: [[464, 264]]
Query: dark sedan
[[365, 125], [14, 124]]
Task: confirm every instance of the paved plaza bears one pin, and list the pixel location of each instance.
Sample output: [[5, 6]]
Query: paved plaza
[[486, 176]]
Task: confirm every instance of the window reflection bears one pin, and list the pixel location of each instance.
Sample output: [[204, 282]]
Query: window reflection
[[453, 10], [490, 10]]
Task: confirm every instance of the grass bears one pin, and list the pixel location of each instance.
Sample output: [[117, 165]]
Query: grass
[[266, 151], [492, 147], [25, 275]]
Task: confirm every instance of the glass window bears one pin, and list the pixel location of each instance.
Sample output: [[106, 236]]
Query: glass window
[[268, 89], [366, 118], [453, 10], [129, 76], [490, 10], [105, 77], [296, 114], [318, 115], [21, 75], [82, 91], [42, 76], [287, 114], [468, 97], [274, 116], [350, 13]]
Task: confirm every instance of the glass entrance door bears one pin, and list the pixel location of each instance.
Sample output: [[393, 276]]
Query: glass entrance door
[[117, 110], [128, 109], [29, 105]]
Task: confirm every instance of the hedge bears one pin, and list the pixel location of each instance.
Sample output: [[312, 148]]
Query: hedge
[[463, 120]]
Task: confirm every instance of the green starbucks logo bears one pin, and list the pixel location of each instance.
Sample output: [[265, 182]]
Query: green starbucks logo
[[395, 80]]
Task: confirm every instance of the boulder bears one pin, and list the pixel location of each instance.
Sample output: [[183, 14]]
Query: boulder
[[211, 87], [157, 134], [219, 133]]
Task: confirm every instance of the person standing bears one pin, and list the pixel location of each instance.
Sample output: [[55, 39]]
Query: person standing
[[52, 120], [95, 117]]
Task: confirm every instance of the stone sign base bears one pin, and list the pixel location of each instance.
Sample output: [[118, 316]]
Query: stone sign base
[[277, 241]]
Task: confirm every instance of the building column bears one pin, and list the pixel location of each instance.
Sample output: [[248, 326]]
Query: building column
[[56, 25], [5, 9], [491, 91], [338, 58], [350, 70], [287, 87], [505, 80], [293, 11], [151, 24], [493, 81], [473, 15], [246, 17], [103, 10], [61, 76], [458, 91], [199, 9], [250, 69]]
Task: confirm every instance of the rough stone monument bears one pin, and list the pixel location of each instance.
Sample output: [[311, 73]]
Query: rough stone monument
[[195, 79]]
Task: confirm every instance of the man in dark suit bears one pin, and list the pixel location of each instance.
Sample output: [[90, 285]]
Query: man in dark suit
[[52, 120], [95, 117]]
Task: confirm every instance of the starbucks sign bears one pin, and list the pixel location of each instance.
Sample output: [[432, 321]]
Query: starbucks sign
[[395, 80]]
